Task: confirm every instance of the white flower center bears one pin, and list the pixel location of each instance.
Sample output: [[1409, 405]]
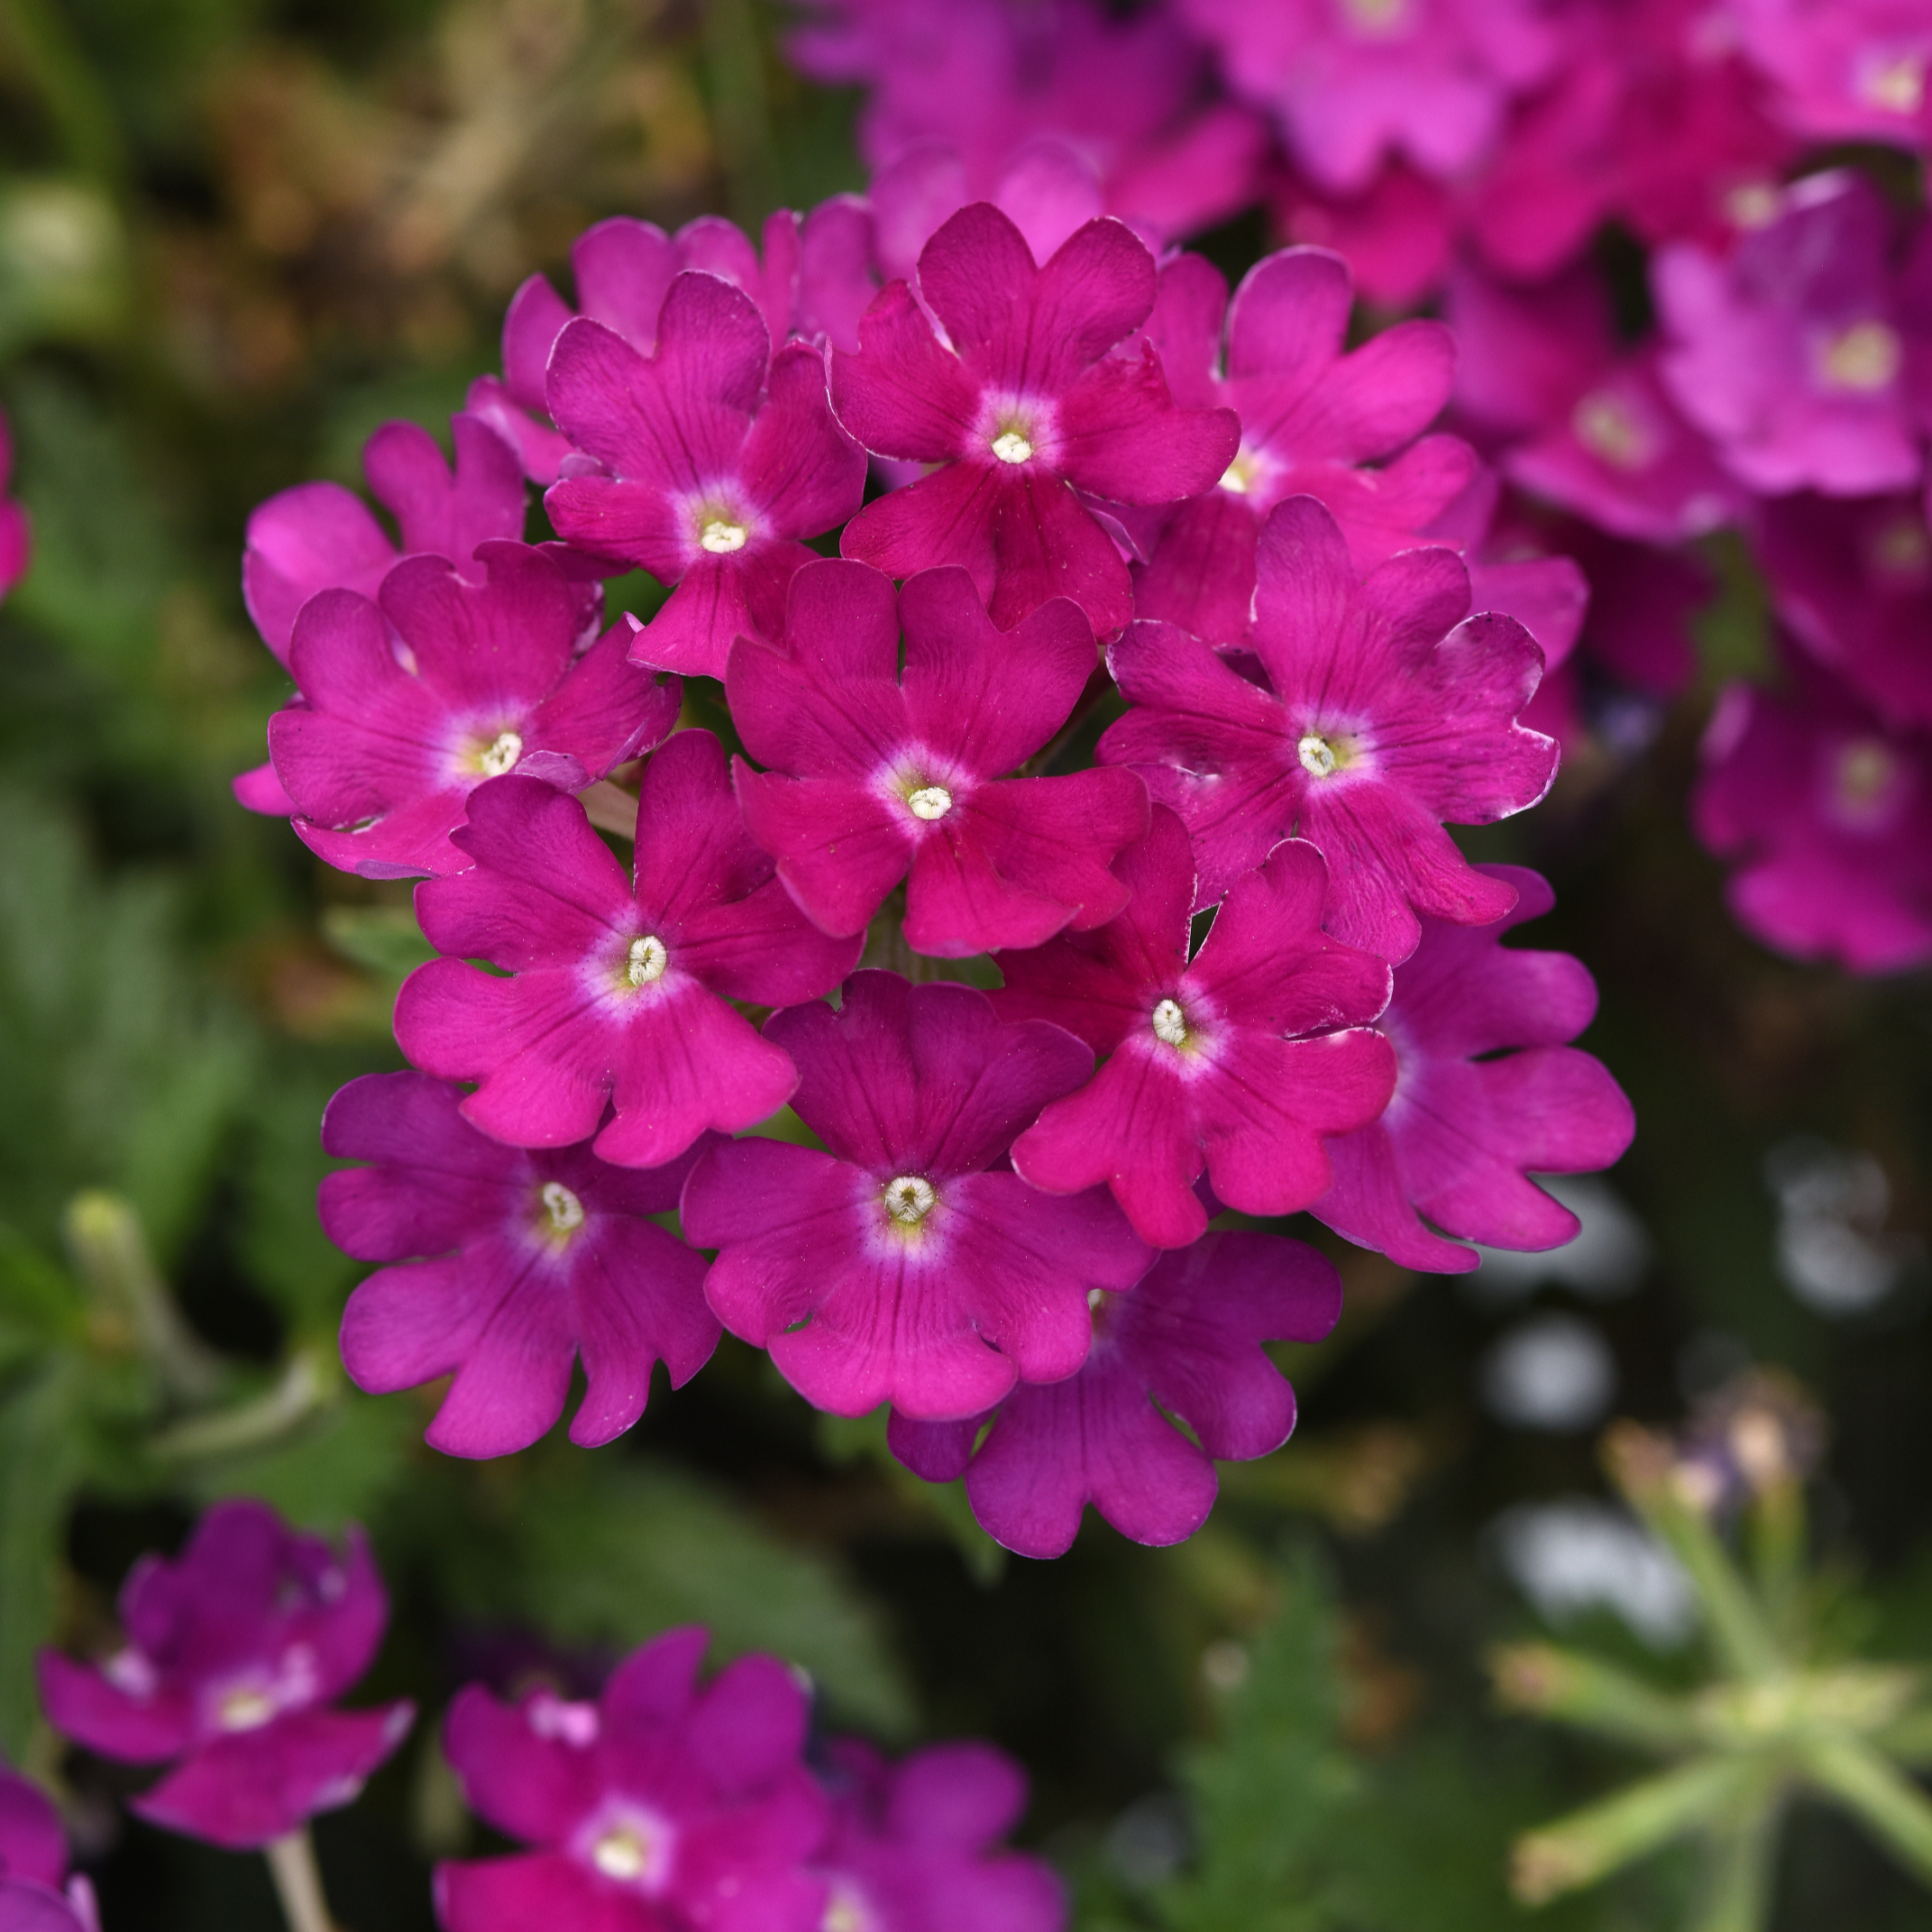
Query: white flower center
[[1238, 476], [1898, 86], [619, 1854], [1170, 1023], [721, 539], [844, 1913], [564, 1209], [1377, 19], [1865, 772], [930, 802], [1317, 756], [647, 960], [1862, 358], [502, 757], [909, 1199], [245, 1709], [1901, 551], [1606, 427], [1010, 446]]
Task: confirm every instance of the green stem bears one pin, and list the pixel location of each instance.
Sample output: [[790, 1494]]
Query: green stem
[[298, 1882], [1548, 1682], [110, 1249], [302, 1388], [741, 111], [1738, 1631], [1739, 1866], [1877, 1793]]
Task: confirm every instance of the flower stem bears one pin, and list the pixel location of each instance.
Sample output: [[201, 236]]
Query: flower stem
[[298, 1882], [1739, 1871]]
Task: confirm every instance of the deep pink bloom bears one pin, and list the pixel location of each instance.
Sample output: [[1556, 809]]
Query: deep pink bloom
[[1827, 814], [1585, 425], [873, 780], [1854, 581], [622, 270], [660, 1808], [36, 1895], [533, 1260], [320, 537], [1239, 1061], [1397, 235], [16, 536], [1187, 1339], [1352, 81], [1312, 418], [985, 77], [903, 1265], [1388, 710], [914, 1846], [379, 755], [1850, 70], [618, 992], [234, 1654], [1797, 355], [1022, 408], [1469, 1125], [717, 459]]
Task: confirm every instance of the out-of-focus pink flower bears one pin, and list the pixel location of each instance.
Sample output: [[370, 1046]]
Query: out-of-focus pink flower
[[411, 702], [1388, 710], [1238, 1061], [36, 1894], [233, 1655], [1313, 420], [660, 1808], [913, 1846], [1853, 579], [1847, 69], [535, 1259], [874, 778], [1826, 813], [1026, 403], [706, 464], [1185, 1342], [617, 990], [1798, 356], [1396, 234], [16, 536], [1587, 424], [1352, 81], [1467, 1125], [905, 1264]]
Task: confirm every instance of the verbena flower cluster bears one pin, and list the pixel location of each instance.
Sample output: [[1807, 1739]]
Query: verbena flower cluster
[[668, 1805], [1126, 724]]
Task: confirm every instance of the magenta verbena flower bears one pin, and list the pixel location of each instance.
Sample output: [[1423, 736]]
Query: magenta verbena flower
[[1470, 1123], [1853, 579], [1352, 81], [410, 702], [1850, 70], [1185, 1344], [1024, 408], [1586, 426], [1388, 710], [914, 1846], [234, 1654], [874, 778], [706, 464], [36, 1894], [1827, 813], [528, 1260], [320, 536], [1398, 234], [16, 536], [907, 1264], [664, 1806], [1797, 355], [1312, 420], [1237, 1061], [613, 990]]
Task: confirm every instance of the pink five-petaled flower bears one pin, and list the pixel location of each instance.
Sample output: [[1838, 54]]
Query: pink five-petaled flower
[[379, 756], [1388, 710], [897, 1267], [1239, 1061], [16, 539], [1827, 814], [873, 781], [1188, 1339], [1311, 418], [1465, 1128], [660, 1808], [913, 1846], [36, 1895], [1022, 405], [234, 1652], [717, 457], [537, 1258], [618, 992]]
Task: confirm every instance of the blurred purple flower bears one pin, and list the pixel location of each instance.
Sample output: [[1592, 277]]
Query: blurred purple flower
[[36, 1894], [234, 1652], [16, 536], [1848, 70]]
